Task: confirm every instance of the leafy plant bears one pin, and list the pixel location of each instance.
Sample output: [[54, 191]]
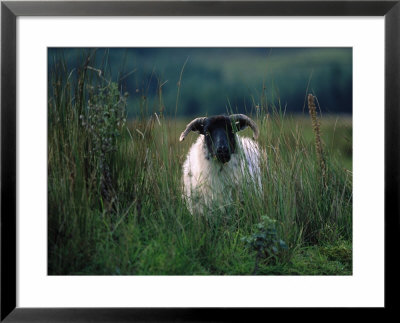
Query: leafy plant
[[265, 241], [103, 120]]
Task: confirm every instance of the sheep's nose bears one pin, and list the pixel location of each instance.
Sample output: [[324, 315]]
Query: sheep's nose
[[222, 151], [223, 154]]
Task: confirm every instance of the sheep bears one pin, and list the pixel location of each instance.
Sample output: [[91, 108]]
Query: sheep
[[220, 164]]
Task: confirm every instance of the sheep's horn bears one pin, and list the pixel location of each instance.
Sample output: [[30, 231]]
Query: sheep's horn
[[195, 125], [245, 121]]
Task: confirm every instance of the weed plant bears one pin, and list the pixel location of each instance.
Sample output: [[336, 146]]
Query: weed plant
[[115, 202]]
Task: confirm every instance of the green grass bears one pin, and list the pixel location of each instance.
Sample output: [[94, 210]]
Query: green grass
[[115, 201]]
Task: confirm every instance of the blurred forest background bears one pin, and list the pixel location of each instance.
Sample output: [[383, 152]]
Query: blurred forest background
[[210, 81]]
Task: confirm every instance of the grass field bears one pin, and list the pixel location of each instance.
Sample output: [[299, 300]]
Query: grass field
[[115, 202]]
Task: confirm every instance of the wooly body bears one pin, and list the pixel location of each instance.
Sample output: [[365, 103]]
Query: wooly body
[[220, 165]]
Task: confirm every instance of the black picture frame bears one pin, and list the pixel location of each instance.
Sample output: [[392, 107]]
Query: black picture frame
[[10, 10]]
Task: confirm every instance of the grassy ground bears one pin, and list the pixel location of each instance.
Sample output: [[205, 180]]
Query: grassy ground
[[114, 192]]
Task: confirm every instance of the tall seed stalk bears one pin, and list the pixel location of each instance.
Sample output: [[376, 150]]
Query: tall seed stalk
[[317, 132]]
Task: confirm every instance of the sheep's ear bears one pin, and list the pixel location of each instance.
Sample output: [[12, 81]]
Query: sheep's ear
[[241, 122], [195, 125], [240, 125]]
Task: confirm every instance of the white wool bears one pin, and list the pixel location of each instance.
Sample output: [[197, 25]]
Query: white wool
[[210, 185]]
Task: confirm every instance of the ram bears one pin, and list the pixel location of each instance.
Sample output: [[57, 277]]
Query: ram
[[220, 165]]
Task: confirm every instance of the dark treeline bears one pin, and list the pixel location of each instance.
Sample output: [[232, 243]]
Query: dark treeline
[[198, 81]]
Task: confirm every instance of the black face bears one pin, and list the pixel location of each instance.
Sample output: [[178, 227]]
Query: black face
[[220, 138]]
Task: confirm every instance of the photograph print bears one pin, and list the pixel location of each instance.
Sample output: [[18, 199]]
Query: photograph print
[[200, 161]]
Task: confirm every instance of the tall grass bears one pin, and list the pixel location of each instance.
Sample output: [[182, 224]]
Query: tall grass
[[115, 198]]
